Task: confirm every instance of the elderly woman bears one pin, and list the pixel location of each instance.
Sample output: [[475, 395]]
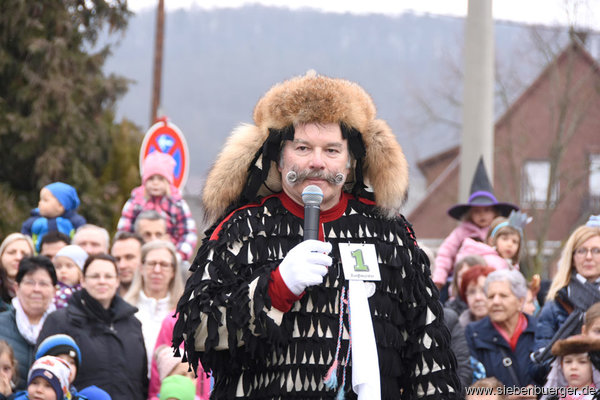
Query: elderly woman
[[107, 332], [472, 293], [573, 290], [12, 250], [155, 289], [503, 340], [21, 325]]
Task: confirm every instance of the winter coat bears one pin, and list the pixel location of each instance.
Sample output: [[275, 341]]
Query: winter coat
[[487, 345], [165, 337], [180, 224], [458, 344], [37, 226], [456, 304], [24, 351], [489, 254], [446, 255], [550, 319], [113, 356]]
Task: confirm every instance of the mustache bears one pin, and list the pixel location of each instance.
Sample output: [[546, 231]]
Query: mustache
[[334, 178]]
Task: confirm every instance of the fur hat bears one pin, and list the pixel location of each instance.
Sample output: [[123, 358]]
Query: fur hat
[[55, 371], [65, 194], [575, 344], [246, 167], [158, 163]]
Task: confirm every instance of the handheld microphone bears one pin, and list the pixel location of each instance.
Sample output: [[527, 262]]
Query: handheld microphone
[[312, 197]]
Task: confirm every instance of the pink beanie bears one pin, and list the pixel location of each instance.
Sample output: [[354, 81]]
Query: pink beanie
[[158, 163], [165, 361]]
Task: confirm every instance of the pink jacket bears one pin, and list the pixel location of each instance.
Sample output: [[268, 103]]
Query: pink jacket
[[165, 336], [446, 256], [492, 258]]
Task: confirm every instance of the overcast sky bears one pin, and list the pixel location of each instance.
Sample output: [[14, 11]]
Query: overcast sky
[[585, 13]]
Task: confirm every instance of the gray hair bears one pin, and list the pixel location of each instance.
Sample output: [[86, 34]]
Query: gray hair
[[517, 282], [149, 215]]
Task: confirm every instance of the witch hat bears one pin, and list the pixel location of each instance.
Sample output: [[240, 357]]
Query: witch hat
[[482, 195]]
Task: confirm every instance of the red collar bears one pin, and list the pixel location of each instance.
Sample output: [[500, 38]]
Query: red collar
[[325, 216], [512, 341]]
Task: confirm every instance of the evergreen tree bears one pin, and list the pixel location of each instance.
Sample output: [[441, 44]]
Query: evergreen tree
[[57, 109]]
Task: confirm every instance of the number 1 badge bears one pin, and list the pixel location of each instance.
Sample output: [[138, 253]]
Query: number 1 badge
[[359, 261]]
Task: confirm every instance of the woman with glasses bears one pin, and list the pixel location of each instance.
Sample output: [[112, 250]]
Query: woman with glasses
[[155, 289], [575, 287], [105, 328], [32, 304]]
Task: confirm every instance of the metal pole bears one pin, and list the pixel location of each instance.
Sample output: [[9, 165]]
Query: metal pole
[[158, 57], [478, 102]]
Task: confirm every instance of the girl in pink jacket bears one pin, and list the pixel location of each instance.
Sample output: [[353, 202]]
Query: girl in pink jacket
[[476, 216]]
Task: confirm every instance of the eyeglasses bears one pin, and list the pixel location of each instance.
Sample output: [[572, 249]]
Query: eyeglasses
[[31, 283], [97, 277], [583, 251], [161, 264]]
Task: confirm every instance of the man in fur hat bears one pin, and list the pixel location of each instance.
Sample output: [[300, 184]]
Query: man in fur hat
[[352, 314]]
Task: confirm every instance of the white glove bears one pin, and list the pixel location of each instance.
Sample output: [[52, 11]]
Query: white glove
[[305, 265]]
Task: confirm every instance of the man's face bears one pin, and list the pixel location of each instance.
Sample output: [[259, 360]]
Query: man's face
[[92, 241], [128, 254], [317, 153], [151, 230], [50, 249]]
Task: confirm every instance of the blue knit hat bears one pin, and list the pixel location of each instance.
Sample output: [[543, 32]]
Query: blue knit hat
[[56, 345], [65, 194], [94, 393]]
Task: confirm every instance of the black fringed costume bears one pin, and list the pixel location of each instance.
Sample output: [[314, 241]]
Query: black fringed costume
[[258, 352]]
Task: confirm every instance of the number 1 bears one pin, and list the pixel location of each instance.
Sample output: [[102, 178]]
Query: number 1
[[360, 263]]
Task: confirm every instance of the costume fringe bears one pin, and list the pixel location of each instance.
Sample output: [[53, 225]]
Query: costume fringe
[[412, 340]]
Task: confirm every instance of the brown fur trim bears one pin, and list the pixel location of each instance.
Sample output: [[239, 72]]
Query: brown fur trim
[[386, 168], [302, 100], [313, 98], [575, 345]]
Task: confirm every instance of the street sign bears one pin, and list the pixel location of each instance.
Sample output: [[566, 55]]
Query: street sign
[[166, 137]]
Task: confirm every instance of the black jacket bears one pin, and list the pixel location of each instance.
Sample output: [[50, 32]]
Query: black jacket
[[113, 356]]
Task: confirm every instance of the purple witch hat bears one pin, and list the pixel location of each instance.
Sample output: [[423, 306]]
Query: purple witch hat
[[481, 195]]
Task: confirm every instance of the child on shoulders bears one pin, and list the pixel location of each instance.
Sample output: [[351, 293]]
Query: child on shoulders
[[476, 216], [158, 193]]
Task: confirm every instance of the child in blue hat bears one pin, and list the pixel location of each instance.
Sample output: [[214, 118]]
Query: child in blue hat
[[56, 211]]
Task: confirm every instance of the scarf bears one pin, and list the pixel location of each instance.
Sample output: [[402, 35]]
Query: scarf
[[29, 331], [94, 308], [514, 339], [581, 294], [365, 362]]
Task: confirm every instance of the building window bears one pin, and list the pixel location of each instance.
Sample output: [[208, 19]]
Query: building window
[[594, 175], [534, 185], [594, 183]]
